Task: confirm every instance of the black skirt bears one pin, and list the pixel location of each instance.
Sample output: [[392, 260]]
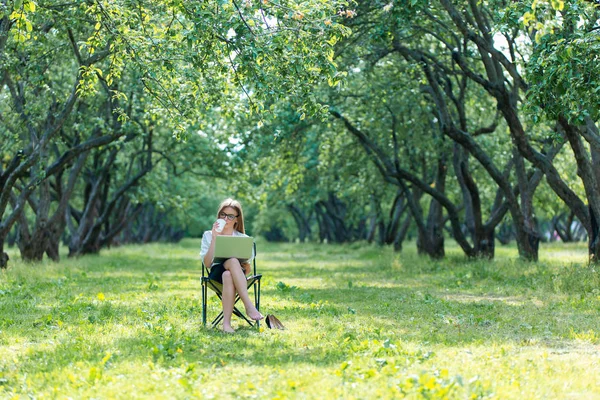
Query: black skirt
[[216, 272]]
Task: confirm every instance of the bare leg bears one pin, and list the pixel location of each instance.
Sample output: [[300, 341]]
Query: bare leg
[[228, 299], [239, 281]]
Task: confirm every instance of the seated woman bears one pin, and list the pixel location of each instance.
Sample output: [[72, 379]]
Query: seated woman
[[231, 273]]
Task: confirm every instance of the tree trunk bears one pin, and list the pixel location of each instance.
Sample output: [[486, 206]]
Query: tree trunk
[[505, 233], [431, 244], [124, 219], [594, 235], [90, 240], [528, 248], [322, 221], [435, 220], [485, 245], [360, 231], [402, 233], [147, 223], [86, 218], [396, 212], [594, 238], [302, 222], [335, 212], [430, 240], [434, 246], [33, 246], [370, 236], [3, 256], [332, 213], [378, 221], [460, 161], [11, 238], [435, 249], [564, 230]]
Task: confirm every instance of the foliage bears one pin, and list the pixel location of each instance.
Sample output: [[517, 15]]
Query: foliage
[[300, 160], [72, 72], [563, 67], [187, 54], [249, 84]]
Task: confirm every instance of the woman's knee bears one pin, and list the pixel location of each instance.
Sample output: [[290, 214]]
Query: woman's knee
[[232, 262], [227, 277]]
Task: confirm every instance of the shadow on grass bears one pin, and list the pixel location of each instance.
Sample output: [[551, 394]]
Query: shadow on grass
[[170, 344]]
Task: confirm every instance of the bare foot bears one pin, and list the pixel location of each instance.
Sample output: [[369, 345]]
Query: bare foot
[[254, 314], [228, 329]]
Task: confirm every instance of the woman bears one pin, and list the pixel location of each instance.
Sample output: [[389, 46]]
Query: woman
[[231, 273]]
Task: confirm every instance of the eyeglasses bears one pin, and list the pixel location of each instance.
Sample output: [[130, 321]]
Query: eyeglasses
[[230, 217]]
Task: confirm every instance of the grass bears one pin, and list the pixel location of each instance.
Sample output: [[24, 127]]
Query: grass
[[362, 322]]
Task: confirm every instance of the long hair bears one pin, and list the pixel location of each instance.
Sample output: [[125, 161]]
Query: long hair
[[239, 224]]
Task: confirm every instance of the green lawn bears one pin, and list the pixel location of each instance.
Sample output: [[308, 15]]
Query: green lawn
[[362, 323]]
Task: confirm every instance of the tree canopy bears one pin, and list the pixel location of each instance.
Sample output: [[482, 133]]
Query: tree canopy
[[336, 121]]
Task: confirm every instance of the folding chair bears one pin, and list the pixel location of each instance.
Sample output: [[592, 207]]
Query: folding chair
[[251, 281]]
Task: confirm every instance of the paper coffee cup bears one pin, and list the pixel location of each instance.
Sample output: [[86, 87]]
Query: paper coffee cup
[[221, 225]]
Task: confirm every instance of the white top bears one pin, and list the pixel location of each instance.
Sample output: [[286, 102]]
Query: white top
[[207, 240]]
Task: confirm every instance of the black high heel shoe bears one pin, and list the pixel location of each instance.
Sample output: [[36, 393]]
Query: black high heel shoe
[[273, 323]]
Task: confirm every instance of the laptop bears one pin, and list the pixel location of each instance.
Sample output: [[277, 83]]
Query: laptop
[[239, 247]]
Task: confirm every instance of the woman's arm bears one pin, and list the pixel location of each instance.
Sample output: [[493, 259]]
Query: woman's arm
[[208, 246], [208, 257]]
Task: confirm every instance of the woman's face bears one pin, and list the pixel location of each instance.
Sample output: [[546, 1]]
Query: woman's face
[[230, 215]]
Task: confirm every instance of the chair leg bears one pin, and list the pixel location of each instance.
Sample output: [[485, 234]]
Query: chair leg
[[217, 320], [257, 294], [257, 299], [204, 299], [236, 311], [219, 317]]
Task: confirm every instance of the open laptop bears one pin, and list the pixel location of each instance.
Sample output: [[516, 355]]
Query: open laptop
[[239, 247]]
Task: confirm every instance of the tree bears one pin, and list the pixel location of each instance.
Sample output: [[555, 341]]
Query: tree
[[503, 80], [182, 54], [34, 135], [563, 79]]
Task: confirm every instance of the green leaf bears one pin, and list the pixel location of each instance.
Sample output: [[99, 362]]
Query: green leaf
[[558, 5]]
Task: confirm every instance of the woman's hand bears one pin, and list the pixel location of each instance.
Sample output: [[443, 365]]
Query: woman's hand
[[246, 268], [214, 229]]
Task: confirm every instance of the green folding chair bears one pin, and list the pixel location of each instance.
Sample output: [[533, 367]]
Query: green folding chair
[[252, 282]]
